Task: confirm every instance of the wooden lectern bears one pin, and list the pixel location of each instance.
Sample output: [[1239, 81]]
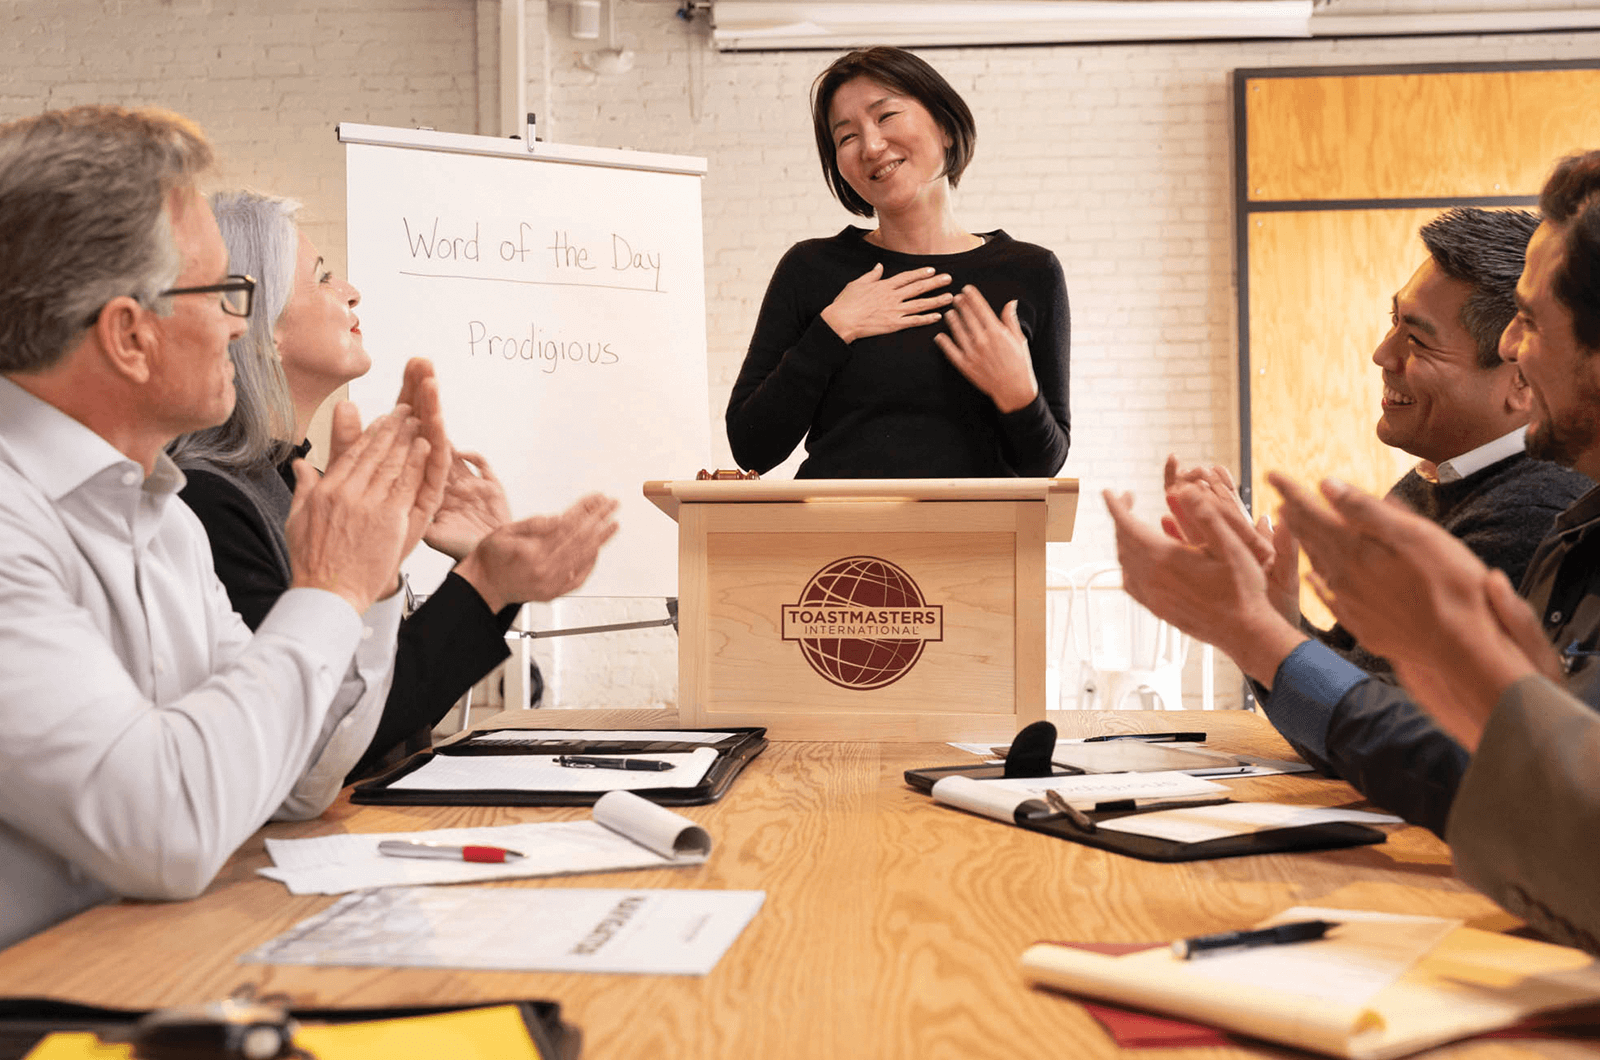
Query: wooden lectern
[[870, 609]]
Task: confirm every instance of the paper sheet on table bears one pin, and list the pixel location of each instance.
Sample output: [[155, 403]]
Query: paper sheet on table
[[1248, 765], [654, 932], [601, 736], [1364, 954], [542, 773], [626, 832], [1000, 798], [1199, 759], [1201, 823]]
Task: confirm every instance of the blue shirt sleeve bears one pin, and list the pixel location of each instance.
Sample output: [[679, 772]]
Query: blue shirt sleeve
[[1309, 684]]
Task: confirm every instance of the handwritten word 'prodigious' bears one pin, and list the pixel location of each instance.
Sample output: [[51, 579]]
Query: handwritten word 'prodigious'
[[536, 345], [619, 257]]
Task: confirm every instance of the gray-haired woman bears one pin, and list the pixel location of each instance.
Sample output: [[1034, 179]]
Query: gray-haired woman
[[304, 342]]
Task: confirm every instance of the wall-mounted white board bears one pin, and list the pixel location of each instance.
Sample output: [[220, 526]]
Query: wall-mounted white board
[[561, 297]]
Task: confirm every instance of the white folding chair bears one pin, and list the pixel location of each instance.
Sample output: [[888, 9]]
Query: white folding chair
[[1129, 651]]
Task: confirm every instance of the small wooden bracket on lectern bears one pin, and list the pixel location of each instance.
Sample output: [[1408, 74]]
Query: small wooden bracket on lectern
[[723, 474]]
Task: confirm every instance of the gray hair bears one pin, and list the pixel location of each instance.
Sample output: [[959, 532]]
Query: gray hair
[[84, 219], [1484, 248], [263, 242]]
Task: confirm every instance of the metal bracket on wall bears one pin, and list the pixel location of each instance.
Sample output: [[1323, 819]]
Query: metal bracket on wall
[[649, 623]]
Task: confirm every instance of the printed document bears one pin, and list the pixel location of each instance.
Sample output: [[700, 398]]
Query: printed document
[[600, 736], [1198, 824], [650, 932], [545, 773]]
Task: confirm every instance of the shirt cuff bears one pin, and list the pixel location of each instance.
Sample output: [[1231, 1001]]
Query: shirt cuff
[[322, 621], [379, 627], [1309, 684]]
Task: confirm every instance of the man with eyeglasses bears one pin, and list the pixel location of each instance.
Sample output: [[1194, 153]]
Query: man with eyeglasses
[[147, 732]]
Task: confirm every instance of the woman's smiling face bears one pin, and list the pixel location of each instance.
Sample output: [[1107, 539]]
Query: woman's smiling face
[[887, 146]]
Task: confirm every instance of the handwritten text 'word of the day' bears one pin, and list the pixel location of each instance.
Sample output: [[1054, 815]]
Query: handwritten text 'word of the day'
[[618, 257]]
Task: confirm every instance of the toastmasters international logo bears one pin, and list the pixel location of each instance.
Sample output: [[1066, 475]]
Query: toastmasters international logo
[[861, 622]]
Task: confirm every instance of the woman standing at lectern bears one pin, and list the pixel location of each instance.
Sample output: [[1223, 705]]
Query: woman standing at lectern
[[916, 349]]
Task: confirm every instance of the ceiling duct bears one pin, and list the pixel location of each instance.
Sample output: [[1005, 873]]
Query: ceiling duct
[[780, 25], [760, 25]]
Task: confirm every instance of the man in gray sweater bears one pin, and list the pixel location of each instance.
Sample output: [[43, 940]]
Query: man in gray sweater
[[1514, 681], [1450, 400]]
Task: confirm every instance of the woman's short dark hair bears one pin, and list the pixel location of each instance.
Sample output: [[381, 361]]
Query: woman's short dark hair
[[902, 73]]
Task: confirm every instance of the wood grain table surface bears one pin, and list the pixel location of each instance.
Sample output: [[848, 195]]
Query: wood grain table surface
[[892, 927]]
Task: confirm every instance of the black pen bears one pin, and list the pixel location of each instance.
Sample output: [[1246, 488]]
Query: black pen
[[643, 765], [1299, 931], [1130, 805], [1151, 737]]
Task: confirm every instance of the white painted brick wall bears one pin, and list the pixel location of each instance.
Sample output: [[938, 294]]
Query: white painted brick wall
[[267, 81], [1117, 157]]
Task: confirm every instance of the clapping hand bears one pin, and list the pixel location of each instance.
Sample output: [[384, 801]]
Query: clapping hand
[[1274, 547], [1416, 595], [991, 351], [419, 391], [474, 505], [349, 529], [873, 305], [542, 557], [1208, 583]]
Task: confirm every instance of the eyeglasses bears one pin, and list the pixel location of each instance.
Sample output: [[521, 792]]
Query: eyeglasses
[[238, 296]]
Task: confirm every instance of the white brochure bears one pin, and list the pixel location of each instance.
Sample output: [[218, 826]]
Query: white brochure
[[545, 929]]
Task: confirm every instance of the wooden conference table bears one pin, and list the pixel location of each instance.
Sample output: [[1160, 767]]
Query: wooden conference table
[[892, 927]]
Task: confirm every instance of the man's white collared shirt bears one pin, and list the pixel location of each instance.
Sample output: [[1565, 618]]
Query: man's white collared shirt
[[144, 732], [1474, 460]]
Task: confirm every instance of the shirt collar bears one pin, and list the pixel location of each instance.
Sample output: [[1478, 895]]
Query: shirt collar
[[1475, 460], [58, 454]]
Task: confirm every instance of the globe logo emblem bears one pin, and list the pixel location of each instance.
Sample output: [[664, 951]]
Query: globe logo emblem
[[862, 622]]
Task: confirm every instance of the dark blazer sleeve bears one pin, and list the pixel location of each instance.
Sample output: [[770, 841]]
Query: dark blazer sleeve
[[241, 546], [1524, 824], [450, 642], [1391, 751], [1363, 728]]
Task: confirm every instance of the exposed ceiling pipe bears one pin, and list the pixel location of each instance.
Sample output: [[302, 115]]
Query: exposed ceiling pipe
[[513, 68]]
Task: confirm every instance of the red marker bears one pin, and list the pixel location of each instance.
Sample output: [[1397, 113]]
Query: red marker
[[400, 848]]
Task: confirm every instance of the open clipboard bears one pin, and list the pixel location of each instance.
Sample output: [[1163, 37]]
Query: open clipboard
[[733, 753], [1035, 816], [1030, 758]]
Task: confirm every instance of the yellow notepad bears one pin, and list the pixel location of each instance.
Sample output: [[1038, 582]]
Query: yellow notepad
[[474, 1034], [1470, 983]]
